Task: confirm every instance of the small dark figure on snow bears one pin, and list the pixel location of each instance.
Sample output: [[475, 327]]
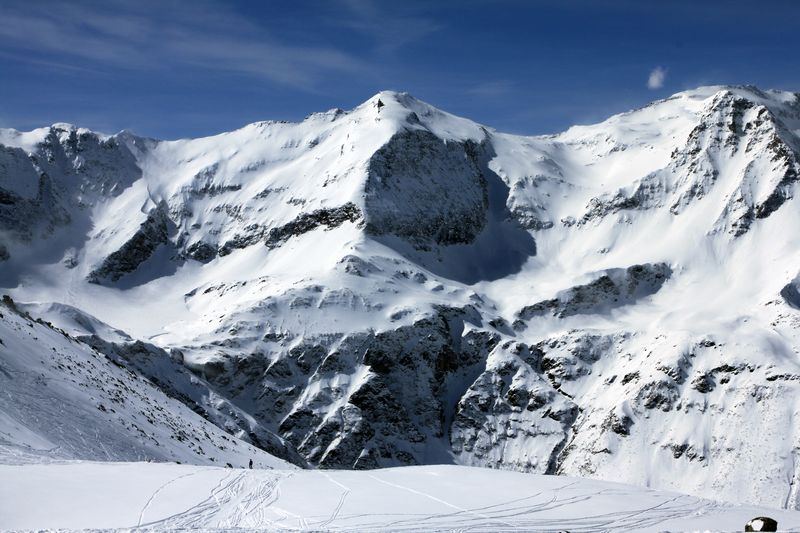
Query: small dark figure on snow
[[761, 523], [251, 464], [379, 105]]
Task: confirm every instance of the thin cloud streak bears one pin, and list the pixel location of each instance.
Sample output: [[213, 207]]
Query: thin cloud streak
[[492, 89], [127, 37], [391, 30]]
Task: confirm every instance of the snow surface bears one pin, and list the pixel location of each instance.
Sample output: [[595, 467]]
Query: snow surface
[[154, 496]]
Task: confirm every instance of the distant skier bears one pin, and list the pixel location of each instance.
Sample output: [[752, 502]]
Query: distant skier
[[251, 464], [379, 105]]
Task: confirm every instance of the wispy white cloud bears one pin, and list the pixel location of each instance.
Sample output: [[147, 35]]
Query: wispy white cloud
[[390, 27], [656, 78], [152, 35], [492, 89]]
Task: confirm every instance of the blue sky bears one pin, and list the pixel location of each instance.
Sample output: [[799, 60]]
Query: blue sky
[[179, 69]]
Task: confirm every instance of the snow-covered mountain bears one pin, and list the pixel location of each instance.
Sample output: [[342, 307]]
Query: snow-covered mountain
[[398, 286]]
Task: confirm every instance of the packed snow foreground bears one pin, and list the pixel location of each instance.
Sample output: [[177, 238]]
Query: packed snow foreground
[[397, 286], [163, 496]]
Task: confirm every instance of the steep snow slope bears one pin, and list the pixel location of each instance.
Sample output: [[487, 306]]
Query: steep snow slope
[[61, 399], [430, 498], [405, 287]]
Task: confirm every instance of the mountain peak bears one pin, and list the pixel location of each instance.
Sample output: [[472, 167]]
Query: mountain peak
[[399, 97], [409, 112], [778, 101]]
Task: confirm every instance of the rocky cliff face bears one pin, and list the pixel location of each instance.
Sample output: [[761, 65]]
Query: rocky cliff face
[[66, 170], [407, 196], [400, 286]]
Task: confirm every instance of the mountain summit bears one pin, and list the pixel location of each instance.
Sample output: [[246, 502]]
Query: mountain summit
[[395, 285]]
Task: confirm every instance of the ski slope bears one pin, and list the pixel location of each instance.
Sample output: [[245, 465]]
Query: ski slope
[[151, 496]]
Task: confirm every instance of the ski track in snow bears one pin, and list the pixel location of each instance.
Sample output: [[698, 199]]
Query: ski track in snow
[[236, 501], [342, 499], [157, 491], [434, 498]]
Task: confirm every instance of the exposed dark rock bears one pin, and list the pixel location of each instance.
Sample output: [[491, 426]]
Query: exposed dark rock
[[676, 372], [733, 369], [627, 378], [686, 450], [501, 325], [151, 234], [784, 189], [648, 193], [254, 233], [791, 295], [704, 383], [510, 400], [215, 190], [389, 418], [356, 266], [327, 217], [530, 217], [24, 218], [518, 397], [619, 424], [302, 419], [614, 288], [202, 251], [208, 188], [658, 395], [783, 377], [566, 414], [426, 190]]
